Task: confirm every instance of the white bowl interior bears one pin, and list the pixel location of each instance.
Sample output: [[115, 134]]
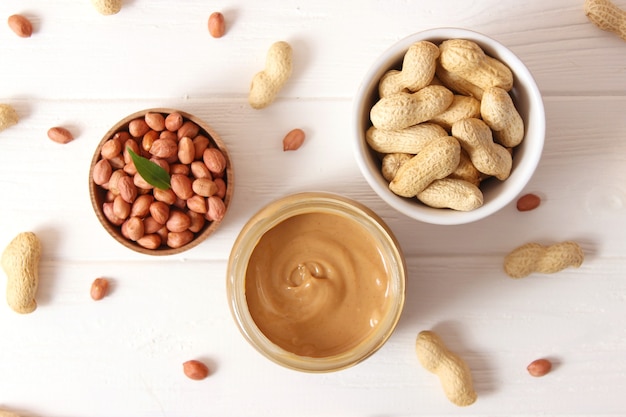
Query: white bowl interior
[[497, 194]]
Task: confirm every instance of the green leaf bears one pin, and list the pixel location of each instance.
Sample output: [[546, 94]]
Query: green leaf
[[154, 174]]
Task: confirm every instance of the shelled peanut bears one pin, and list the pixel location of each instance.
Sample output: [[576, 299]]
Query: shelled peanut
[[455, 91], [155, 216]]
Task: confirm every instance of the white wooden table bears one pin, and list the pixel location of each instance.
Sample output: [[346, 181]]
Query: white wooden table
[[122, 356]]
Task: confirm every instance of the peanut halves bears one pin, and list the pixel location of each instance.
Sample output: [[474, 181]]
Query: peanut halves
[[533, 257]]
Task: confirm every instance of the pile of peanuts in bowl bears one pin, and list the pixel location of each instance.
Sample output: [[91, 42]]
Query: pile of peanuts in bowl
[[453, 134], [184, 198]]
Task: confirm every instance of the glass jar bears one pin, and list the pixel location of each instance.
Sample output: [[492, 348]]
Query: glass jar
[[386, 246]]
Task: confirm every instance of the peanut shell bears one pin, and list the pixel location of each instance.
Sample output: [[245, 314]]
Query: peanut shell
[[8, 116]]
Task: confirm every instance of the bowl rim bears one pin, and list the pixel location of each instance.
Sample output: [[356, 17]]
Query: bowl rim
[[269, 216], [524, 168], [95, 194]]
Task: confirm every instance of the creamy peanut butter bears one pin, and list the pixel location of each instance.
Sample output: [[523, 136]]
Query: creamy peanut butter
[[317, 284]]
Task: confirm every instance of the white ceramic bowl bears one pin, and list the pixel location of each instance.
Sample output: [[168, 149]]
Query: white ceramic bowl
[[497, 194]]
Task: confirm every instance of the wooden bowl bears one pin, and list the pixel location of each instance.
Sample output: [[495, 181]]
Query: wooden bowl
[[100, 195]]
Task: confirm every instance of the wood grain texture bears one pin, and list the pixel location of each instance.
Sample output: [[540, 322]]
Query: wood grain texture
[[123, 355], [565, 52]]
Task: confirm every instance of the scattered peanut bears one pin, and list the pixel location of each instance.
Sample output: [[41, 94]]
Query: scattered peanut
[[453, 372], [293, 140], [60, 135], [528, 202], [8, 116], [267, 83], [107, 7], [539, 367], [20, 261], [216, 24], [20, 25], [195, 370], [607, 16], [99, 288], [533, 257]]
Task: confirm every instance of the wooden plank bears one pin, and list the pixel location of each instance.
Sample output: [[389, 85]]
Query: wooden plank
[[123, 355], [146, 52], [125, 352], [580, 177]]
